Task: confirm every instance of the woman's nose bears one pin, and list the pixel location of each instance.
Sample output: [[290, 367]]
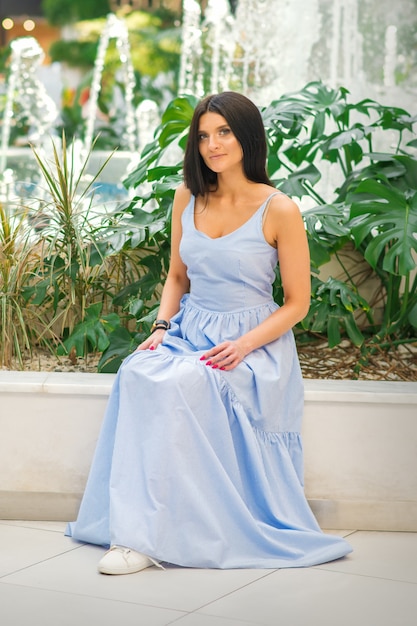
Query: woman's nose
[[212, 142]]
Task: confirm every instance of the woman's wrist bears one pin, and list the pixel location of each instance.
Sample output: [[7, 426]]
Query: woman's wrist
[[160, 325]]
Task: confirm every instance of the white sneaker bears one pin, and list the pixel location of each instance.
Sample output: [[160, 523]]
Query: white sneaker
[[119, 560]]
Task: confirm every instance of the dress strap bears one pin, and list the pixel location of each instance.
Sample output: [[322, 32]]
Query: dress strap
[[264, 212]]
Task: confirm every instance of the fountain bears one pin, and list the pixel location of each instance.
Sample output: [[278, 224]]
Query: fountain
[[271, 47], [27, 100], [147, 119], [115, 28], [262, 48], [219, 24], [27, 103], [191, 73], [108, 185], [25, 91]]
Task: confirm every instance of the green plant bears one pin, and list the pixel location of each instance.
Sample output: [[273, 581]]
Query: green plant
[[141, 238], [22, 323], [99, 278], [62, 12], [383, 222], [318, 130], [66, 277], [139, 233]]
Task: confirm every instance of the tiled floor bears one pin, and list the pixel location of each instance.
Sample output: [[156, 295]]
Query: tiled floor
[[48, 580]]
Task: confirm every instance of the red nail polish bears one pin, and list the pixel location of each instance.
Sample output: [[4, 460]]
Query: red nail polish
[[208, 363], [203, 358], [222, 367], [151, 347], [214, 366]]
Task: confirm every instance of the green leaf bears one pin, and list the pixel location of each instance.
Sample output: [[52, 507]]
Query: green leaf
[[327, 231], [387, 222], [319, 125], [181, 108], [294, 184], [161, 171], [91, 333], [333, 330], [333, 307], [120, 344], [352, 330], [410, 166], [340, 139], [36, 294], [412, 316], [396, 119], [136, 307]]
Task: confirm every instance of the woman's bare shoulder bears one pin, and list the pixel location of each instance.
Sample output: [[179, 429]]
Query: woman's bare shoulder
[[182, 193], [283, 217], [181, 198], [282, 206]]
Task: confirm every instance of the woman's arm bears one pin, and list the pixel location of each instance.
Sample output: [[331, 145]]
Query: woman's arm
[[284, 227], [177, 283]]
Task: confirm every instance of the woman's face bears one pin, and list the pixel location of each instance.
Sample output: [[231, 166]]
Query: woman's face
[[218, 146]]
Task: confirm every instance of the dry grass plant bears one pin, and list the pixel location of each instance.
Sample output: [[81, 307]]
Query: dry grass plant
[[22, 324], [70, 234]]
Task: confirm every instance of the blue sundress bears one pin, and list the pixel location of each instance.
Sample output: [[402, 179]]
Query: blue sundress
[[200, 467]]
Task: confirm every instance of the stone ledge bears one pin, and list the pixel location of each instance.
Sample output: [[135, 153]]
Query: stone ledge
[[354, 391], [360, 448], [366, 515], [315, 390]]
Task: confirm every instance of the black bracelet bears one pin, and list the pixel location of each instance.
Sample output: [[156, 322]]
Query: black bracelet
[[160, 324]]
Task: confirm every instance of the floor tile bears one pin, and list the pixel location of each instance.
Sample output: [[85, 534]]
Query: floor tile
[[380, 554], [297, 597], [198, 619], [176, 588], [58, 527], [21, 547], [339, 533], [47, 579], [21, 606]]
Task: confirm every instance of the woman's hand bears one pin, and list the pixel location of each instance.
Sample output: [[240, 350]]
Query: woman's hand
[[225, 356], [152, 341]]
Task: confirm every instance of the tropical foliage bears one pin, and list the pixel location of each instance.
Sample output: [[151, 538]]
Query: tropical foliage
[[353, 169]]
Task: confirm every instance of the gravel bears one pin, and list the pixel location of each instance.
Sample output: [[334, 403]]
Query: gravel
[[344, 362]]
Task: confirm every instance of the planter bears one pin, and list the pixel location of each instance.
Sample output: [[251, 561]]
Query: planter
[[360, 444]]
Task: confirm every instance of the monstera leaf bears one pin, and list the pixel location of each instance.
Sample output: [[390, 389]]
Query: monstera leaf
[[384, 219], [326, 231], [333, 308]]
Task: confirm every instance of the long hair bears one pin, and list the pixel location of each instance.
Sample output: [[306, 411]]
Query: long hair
[[245, 121]]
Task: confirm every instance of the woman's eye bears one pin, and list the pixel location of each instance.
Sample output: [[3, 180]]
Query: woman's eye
[[201, 136], [225, 131]]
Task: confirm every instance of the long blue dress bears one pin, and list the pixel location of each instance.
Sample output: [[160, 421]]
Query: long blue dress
[[200, 467]]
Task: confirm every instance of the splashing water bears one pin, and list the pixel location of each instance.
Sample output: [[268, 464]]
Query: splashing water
[[115, 28], [26, 94], [191, 73], [271, 47]]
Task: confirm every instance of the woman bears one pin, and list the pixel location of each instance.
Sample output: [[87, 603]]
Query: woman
[[199, 461]]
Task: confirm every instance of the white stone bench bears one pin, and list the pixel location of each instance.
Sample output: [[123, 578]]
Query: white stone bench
[[360, 445]]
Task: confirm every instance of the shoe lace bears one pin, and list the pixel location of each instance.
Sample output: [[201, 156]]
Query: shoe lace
[[126, 551]]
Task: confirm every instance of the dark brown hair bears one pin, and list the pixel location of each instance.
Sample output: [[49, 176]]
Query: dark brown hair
[[245, 121]]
